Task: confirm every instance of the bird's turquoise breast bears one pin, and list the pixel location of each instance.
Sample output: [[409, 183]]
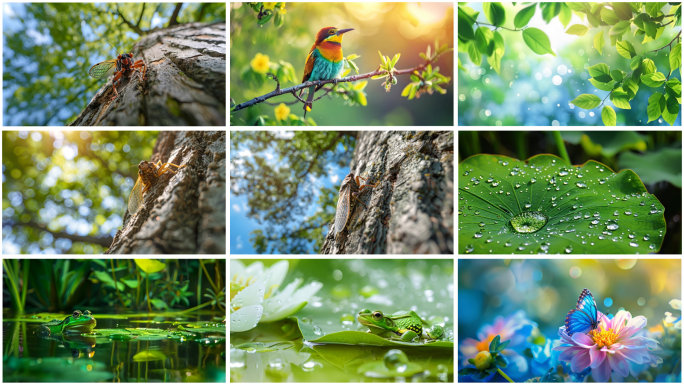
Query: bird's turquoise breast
[[323, 68]]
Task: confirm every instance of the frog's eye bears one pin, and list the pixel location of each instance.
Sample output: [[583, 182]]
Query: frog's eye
[[77, 313], [377, 315]]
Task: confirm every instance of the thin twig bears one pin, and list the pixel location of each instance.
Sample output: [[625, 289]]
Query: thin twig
[[500, 26], [668, 44]]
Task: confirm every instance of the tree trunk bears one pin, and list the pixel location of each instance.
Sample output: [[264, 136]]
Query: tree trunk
[[411, 211], [185, 82], [183, 212]]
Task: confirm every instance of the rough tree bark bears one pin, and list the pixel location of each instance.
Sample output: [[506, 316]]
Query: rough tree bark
[[185, 82], [183, 212], [411, 210]]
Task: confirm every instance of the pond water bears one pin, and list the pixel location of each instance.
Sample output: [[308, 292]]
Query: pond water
[[121, 348]]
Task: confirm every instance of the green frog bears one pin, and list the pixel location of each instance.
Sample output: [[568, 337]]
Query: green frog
[[79, 322], [403, 325]]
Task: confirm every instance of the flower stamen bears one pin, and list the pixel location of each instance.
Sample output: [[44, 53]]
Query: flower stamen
[[603, 338]]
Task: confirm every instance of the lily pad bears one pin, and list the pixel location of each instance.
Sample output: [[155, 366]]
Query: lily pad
[[365, 338], [544, 205]]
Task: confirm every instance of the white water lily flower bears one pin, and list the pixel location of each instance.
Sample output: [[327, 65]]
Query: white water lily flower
[[254, 294]]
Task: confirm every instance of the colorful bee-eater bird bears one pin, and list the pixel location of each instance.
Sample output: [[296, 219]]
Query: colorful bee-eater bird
[[324, 61]]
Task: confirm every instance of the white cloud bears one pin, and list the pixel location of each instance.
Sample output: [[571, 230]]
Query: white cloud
[[237, 208]]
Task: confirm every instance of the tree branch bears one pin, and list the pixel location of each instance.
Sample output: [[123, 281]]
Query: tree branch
[[142, 11], [282, 91], [500, 26], [668, 44], [105, 241], [174, 16], [132, 26]]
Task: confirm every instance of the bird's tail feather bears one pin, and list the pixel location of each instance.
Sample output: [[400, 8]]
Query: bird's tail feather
[[309, 100]]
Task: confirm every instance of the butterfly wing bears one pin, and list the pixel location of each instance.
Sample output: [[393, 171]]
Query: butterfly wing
[[584, 317], [102, 69]]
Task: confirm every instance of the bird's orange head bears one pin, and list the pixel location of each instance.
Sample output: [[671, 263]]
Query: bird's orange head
[[331, 34]]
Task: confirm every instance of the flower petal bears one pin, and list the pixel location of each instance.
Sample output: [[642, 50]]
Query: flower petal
[[619, 365], [580, 361], [601, 373], [582, 340], [274, 276], [597, 357], [287, 302], [252, 295], [245, 318]]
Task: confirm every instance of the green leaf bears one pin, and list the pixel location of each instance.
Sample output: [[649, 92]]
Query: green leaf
[[656, 103], [634, 64], [465, 26], [587, 101], [565, 15], [550, 10], [631, 87], [497, 54], [577, 29], [650, 28], [653, 8], [537, 40], [483, 38], [620, 28], [608, 16], [474, 53], [150, 265], [608, 116], [617, 75], [579, 212], [653, 80], [602, 86], [524, 15], [671, 109], [674, 86], [495, 13], [648, 66], [664, 164], [598, 42], [622, 10], [600, 72], [620, 98], [625, 49], [676, 57]]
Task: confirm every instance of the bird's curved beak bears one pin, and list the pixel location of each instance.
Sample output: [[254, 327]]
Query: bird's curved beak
[[342, 31]]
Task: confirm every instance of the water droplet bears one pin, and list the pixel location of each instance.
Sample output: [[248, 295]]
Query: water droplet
[[568, 249], [633, 244], [647, 238], [581, 185], [477, 235], [528, 222], [612, 226], [628, 212], [563, 172], [469, 248], [482, 224]]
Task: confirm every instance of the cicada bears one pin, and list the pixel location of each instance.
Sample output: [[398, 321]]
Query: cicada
[[350, 188], [123, 66], [148, 173]]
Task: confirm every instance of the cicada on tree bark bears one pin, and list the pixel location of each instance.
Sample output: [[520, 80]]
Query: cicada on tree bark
[[350, 189], [148, 174]]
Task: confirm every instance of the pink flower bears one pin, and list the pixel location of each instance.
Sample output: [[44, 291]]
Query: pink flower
[[611, 350]]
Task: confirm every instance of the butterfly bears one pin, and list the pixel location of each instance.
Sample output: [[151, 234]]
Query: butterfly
[[584, 317]]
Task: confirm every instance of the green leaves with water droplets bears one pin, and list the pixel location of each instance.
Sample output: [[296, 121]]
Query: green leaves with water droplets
[[656, 104], [587, 101], [537, 40], [589, 208]]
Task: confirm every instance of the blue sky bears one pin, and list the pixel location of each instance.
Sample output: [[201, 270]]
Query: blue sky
[[241, 225]]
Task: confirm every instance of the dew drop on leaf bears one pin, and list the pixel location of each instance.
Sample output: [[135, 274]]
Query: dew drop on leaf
[[528, 222]]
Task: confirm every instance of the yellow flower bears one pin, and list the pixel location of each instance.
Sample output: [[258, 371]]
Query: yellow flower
[[269, 5], [282, 112], [260, 63]]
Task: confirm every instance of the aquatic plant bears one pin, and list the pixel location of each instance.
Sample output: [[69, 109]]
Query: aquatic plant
[[255, 296]]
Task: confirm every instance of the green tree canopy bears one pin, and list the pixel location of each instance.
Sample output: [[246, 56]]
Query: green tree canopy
[[49, 47]]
